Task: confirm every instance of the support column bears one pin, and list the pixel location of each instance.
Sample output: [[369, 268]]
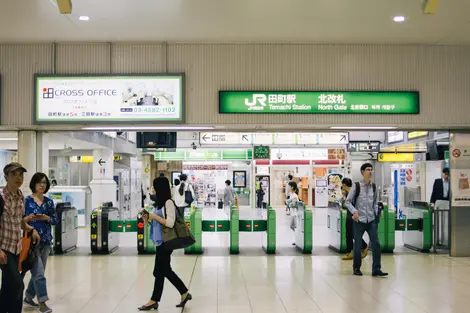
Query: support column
[[42, 154], [459, 194], [27, 154], [33, 154], [103, 186]]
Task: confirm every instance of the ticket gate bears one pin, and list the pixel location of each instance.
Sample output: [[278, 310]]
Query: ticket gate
[[418, 232], [144, 243], [66, 230], [416, 225], [304, 229], [234, 226], [336, 223], [103, 239]]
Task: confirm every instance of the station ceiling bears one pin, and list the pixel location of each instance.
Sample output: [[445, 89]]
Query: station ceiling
[[320, 21]]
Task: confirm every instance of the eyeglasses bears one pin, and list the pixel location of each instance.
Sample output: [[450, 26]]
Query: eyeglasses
[[42, 183]]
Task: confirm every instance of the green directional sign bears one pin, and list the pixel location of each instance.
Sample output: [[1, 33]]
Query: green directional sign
[[318, 102]]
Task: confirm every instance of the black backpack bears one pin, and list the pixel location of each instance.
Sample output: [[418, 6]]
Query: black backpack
[[358, 191]]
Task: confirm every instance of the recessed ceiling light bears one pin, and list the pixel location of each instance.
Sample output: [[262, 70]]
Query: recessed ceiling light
[[362, 127], [84, 18], [399, 19]]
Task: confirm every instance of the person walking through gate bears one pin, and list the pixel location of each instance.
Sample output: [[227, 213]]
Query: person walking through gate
[[346, 185], [362, 202]]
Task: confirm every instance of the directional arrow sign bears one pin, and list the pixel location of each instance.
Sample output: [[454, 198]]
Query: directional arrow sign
[[101, 162], [93, 225], [215, 138]]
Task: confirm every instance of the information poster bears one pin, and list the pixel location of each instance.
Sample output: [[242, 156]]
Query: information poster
[[147, 98], [460, 169]]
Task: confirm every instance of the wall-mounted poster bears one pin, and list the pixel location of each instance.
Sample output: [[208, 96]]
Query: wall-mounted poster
[[136, 98], [239, 179]]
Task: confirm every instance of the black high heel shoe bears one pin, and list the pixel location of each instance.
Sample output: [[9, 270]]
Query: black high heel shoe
[[149, 308], [183, 303]]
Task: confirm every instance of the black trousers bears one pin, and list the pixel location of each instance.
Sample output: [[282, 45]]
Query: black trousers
[[372, 229], [11, 294], [350, 235], [259, 200], [163, 270]]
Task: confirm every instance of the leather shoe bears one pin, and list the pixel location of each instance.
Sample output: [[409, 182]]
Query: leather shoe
[[379, 274], [357, 272]]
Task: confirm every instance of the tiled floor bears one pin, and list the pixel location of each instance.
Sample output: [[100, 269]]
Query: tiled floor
[[254, 282]]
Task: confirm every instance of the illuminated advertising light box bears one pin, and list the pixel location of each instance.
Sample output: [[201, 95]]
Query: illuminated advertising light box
[[79, 99], [318, 102]]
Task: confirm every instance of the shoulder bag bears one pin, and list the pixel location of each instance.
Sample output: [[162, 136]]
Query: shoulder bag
[[179, 236]]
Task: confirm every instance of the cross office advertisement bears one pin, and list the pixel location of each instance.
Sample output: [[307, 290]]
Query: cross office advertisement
[[318, 102], [110, 98]]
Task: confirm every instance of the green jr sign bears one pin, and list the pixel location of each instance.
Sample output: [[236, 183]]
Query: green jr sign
[[318, 102]]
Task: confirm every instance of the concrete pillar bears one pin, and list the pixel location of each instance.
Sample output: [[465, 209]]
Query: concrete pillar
[[42, 154], [460, 194], [103, 186]]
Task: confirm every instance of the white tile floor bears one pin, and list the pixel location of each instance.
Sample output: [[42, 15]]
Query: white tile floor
[[253, 282]]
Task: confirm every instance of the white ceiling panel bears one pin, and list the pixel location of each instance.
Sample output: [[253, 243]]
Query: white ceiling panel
[[332, 21]]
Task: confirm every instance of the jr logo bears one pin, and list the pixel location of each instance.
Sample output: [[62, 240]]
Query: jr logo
[[257, 98]]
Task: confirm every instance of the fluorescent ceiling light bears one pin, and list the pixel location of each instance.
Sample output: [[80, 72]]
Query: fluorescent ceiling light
[[8, 139], [362, 127], [84, 18], [126, 128], [399, 19]]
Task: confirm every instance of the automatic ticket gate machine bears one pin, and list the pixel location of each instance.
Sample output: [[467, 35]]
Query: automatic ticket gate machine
[[103, 239], [66, 229], [304, 228]]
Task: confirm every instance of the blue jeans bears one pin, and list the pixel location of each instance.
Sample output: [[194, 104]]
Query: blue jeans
[[37, 284], [372, 230]]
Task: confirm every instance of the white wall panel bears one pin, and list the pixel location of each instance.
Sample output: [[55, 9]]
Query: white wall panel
[[78, 58], [138, 58], [440, 73], [18, 63]]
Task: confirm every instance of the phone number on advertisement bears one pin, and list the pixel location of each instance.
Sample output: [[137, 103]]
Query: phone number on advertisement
[[154, 110]]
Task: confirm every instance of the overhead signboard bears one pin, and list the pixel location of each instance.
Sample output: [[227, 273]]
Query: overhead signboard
[[225, 138], [364, 146], [318, 102], [109, 98], [395, 136], [299, 154], [205, 154], [395, 157], [414, 135]]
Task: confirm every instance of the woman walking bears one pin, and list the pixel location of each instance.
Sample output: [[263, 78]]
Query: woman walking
[[41, 215], [163, 215]]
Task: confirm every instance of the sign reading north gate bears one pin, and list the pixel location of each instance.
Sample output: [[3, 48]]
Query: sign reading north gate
[[318, 102]]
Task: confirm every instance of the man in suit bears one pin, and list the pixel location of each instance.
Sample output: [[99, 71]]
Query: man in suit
[[441, 187]]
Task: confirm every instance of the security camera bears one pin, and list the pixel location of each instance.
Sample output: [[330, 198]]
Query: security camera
[[279, 155]]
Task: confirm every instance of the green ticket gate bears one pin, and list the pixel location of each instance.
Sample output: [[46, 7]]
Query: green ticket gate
[[418, 231], [336, 222], [304, 229], [103, 237], [234, 226]]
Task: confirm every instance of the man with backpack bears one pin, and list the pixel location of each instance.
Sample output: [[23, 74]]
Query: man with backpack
[[363, 202], [12, 221]]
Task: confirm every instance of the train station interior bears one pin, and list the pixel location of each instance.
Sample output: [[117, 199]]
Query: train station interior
[[236, 152]]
